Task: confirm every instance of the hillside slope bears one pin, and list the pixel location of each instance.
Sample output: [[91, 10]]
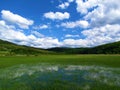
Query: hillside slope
[[7, 48], [111, 48]]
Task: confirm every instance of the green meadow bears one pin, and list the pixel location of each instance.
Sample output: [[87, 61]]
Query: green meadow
[[60, 72], [104, 60]]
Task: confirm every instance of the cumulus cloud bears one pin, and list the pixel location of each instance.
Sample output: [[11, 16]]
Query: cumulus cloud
[[64, 5], [107, 33], [70, 1], [107, 12], [74, 43], [8, 33], [41, 27], [83, 6], [71, 36], [102, 25], [16, 19], [80, 23], [47, 42], [57, 15], [96, 36], [35, 39], [37, 34]]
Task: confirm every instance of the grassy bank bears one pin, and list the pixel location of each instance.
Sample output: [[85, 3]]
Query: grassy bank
[[60, 72], [106, 60]]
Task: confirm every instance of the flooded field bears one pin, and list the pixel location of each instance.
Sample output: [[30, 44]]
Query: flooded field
[[59, 77]]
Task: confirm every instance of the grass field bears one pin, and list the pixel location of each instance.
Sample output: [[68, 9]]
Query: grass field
[[106, 60], [60, 72]]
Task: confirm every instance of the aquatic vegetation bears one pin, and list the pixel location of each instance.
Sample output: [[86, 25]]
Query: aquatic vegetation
[[55, 76]]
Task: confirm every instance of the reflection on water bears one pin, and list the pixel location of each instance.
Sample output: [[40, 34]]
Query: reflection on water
[[41, 76]]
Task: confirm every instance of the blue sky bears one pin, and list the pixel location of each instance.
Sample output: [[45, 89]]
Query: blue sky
[[60, 23]]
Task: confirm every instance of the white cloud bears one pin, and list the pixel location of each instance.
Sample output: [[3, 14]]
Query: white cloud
[[47, 42], [102, 26], [37, 34], [102, 35], [107, 33], [2, 23], [35, 39], [104, 22], [57, 15], [7, 32], [96, 36], [41, 27], [64, 5], [108, 12], [70, 1], [71, 36], [16, 19], [80, 23], [83, 7], [75, 43]]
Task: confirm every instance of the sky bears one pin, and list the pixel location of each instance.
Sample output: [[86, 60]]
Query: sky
[[60, 23]]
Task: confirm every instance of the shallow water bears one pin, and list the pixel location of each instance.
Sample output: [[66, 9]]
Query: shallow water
[[46, 76]]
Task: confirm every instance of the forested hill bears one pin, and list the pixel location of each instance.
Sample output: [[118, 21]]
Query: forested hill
[[111, 48], [7, 48]]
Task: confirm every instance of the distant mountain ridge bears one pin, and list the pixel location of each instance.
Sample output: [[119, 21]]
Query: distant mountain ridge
[[8, 48], [111, 48]]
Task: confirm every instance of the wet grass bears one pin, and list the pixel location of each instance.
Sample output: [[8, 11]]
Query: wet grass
[[65, 77], [60, 72], [106, 60]]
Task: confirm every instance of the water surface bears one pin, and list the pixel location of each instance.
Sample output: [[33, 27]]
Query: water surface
[[52, 77]]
